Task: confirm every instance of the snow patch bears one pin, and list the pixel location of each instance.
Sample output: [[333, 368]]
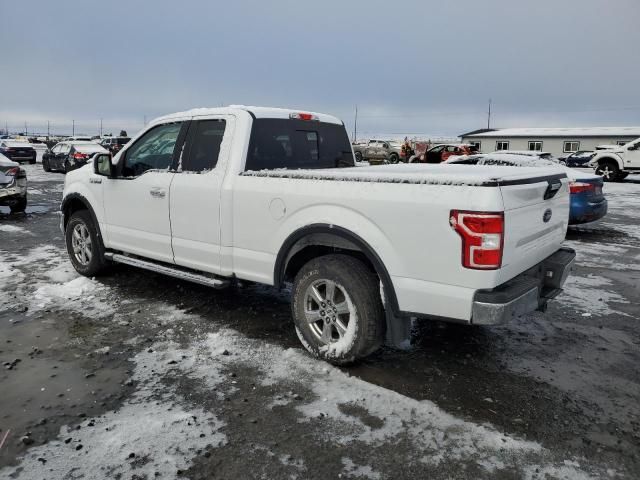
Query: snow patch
[[11, 229], [155, 425], [586, 294], [358, 471]]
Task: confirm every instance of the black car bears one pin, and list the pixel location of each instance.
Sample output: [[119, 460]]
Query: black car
[[67, 156], [18, 151], [115, 144], [578, 159]]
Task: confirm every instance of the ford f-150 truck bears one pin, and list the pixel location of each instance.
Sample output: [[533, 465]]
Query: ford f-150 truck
[[271, 196]]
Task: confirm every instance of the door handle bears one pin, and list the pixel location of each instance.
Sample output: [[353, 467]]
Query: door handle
[[157, 192]]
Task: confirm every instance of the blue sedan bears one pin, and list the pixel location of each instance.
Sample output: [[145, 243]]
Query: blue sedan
[[587, 200]]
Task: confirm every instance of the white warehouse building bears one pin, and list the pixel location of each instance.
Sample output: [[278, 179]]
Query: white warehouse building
[[557, 141]]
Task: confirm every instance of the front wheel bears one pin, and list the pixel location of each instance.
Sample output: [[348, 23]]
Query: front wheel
[[83, 244], [45, 165], [393, 158], [67, 166], [609, 171], [20, 206], [337, 309], [359, 156]]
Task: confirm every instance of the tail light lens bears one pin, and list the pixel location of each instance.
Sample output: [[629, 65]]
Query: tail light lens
[[12, 172], [80, 156], [482, 236], [580, 187]]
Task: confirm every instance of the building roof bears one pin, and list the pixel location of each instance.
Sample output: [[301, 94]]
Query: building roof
[[564, 132]]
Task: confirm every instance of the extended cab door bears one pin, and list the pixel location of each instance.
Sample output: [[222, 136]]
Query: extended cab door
[[136, 202], [195, 193]]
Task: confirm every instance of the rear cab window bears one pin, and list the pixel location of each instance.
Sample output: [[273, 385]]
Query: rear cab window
[[203, 145], [297, 144]]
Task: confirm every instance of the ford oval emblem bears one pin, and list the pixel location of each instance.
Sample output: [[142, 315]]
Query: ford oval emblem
[[547, 215]]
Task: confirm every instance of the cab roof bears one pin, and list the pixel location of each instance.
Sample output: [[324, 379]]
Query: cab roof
[[257, 112]]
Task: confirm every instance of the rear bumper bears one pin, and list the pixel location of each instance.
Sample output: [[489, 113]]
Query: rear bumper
[[525, 293], [583, 211]]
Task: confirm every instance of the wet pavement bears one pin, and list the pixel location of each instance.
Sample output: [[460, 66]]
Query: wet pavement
[[135, 375]]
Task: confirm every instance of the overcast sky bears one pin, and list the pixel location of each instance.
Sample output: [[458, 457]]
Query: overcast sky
[[416, 67]]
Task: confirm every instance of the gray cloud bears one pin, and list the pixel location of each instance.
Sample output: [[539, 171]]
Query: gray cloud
[[410, 66]]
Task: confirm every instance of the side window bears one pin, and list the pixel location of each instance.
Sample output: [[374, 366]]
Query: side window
[[154, 150], [65, 148], [204, 145], [56, 149]]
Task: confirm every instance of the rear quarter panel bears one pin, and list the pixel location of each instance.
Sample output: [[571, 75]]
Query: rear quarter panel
[[407, 225]]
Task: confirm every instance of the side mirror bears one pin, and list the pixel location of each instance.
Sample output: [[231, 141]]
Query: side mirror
[[102, 165]]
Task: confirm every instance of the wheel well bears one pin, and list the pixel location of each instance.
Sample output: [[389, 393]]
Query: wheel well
[[308, 252], [608, 160], [317, 240], [72, 206]]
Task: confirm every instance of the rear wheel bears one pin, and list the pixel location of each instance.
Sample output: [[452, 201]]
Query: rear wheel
[[393, 158], [609, 171], [32, 162], [359, 156], [337, 309], [67, 166], [45, 165], [19, 206], [84, 247]]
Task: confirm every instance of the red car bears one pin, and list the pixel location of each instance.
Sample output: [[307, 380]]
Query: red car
[[441, 152]]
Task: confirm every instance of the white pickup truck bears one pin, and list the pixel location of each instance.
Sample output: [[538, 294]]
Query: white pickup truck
[[270, 196], [615, 163]]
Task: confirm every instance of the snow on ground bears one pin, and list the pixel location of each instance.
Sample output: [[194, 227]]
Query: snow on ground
[[45, 279], [589, 294], [605, 255], [433, 438], [154, 431], [11, 229]]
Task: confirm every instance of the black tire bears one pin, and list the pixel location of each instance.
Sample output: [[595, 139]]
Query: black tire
[[32, 162], [97, 262], [608, 170], [358, 289], [358, 156], [20, 206], [394, 158], [45, 165], [67, 166]]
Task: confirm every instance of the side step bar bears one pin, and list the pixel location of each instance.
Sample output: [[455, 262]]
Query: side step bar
[[172, 271]]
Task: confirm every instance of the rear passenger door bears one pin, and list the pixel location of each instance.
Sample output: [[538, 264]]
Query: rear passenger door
[[195, 193]]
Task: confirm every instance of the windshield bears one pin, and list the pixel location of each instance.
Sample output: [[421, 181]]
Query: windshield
[[298, 144]]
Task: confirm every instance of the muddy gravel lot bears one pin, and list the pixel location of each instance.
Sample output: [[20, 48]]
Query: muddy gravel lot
[[134, 375]]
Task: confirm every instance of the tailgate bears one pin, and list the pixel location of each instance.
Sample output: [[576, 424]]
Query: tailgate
[[536, 213]]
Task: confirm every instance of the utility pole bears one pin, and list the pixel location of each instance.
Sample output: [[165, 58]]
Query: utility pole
[[6, 127], [100, 128], [48, 130], [355, 126], [73, 128], [489, 116], [26, 132]]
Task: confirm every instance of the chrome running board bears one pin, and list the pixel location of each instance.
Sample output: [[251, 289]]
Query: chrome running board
[[173, 271]]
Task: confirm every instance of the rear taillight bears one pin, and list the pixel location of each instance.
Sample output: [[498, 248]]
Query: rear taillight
[[482, 236], [80, 156], [580, 187], [12, 172]]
